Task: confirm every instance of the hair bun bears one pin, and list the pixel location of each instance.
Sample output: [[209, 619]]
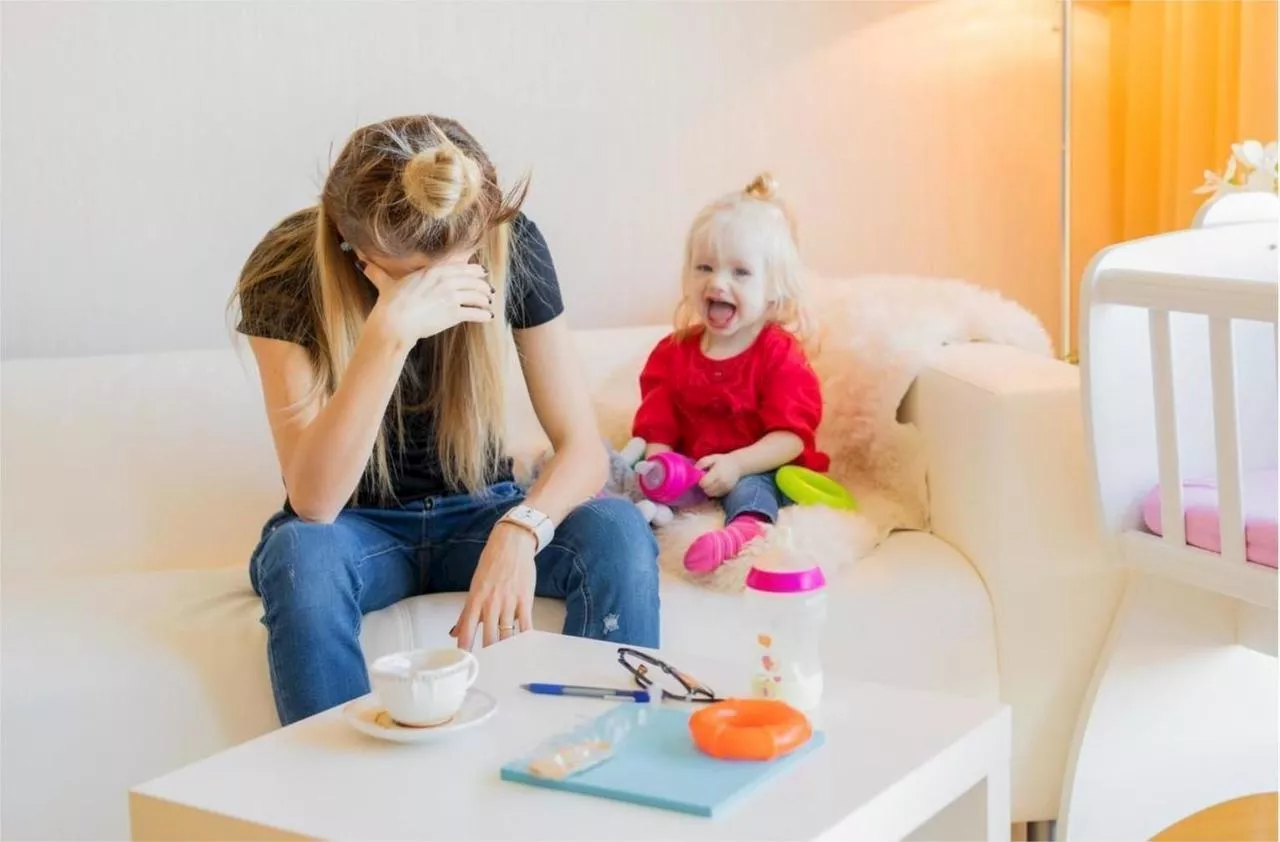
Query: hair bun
[[442, 180], [762, 187]]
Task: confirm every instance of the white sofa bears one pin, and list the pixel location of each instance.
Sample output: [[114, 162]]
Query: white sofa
[[134, 488]]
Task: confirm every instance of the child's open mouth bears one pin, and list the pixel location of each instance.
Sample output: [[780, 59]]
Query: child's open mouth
[[720, 313]]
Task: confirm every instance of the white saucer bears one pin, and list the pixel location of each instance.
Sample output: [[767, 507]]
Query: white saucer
[[365, 714]]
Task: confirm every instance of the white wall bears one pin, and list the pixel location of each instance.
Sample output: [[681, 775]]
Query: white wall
[[146, 146]]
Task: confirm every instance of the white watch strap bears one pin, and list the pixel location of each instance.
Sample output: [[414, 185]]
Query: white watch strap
[[546, 530], [537, 523]]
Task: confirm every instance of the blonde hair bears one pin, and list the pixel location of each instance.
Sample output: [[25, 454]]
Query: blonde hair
[[783, 271], [418, 184]]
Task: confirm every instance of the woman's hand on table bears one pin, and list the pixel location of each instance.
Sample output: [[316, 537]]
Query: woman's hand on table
[[500, 602]]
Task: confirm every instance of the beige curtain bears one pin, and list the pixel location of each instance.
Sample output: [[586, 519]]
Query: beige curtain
[[1188, 79]]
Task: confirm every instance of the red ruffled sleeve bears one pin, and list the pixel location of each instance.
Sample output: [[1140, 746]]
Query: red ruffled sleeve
[[655, 420], [791, 401]]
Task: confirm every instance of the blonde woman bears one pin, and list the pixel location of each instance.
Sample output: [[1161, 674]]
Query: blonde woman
[[378, 319]]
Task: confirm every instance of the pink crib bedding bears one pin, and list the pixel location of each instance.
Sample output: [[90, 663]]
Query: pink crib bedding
[[1200, 502]]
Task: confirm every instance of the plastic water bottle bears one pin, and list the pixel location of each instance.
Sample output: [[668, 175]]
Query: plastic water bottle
[[787, 608]]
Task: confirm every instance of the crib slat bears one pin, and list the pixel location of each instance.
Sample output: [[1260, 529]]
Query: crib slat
[[1226, 433], [1171, 518]]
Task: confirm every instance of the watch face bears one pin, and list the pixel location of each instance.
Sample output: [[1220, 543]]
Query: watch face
[[525, 515], [532, 520]]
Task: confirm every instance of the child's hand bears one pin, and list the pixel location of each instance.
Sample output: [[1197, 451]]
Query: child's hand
[[723, 473]]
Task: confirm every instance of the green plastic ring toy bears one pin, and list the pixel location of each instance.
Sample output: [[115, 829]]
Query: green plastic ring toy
[[810, 488]]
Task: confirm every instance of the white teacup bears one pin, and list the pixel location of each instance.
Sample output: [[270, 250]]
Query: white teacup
[[424, 687]]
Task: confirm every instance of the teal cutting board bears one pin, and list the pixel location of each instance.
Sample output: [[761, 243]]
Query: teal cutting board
[[657, 764]]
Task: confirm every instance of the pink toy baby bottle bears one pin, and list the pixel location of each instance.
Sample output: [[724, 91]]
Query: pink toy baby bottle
[[670, 479]]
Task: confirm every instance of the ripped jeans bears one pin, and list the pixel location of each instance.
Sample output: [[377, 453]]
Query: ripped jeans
[[317, 581]]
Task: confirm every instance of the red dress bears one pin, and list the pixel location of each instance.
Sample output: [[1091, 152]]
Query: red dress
[[699, 406]]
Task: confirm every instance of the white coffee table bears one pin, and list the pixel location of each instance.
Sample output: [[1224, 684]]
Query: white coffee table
[[893, 760]]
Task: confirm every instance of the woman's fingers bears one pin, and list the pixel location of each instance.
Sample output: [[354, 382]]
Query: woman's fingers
[[464, 275], [475, 314], [446, 274], [524, 615], [502, 617], [472, 298], [477, 289], [483, 616], [508, 619], [491, 615], [465, 630]]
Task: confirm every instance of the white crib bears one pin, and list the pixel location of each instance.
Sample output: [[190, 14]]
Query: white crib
[[1178, 358], [1178, 355]]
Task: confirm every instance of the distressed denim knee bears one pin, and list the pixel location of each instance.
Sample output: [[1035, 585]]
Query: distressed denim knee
[[613, 584]]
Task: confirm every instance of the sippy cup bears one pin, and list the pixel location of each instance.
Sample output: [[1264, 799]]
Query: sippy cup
[[671, 479], [787, 607]]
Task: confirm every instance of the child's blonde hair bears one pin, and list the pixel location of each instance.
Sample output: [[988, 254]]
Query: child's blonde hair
[[783, 270]]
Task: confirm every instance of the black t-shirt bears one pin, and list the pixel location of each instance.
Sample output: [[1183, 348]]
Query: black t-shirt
[[282, 308]]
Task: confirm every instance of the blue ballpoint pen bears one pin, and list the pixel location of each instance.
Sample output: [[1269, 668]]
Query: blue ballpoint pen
[[588, 692]]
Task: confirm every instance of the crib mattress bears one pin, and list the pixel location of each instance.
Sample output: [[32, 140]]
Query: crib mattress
[[1200, 505]]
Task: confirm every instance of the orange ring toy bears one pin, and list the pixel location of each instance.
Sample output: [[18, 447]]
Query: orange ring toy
[[749, 729]]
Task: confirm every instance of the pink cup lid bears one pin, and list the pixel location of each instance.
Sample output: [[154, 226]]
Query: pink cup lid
[[786, 581]]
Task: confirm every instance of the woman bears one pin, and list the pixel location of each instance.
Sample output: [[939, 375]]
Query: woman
[[378, 320]]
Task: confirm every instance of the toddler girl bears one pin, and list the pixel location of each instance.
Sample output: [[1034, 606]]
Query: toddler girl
[[731, 387]]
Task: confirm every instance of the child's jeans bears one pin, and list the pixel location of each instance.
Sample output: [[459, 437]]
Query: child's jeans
[[755, 494]]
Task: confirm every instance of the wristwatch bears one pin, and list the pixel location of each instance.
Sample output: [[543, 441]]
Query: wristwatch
[[534, 522]]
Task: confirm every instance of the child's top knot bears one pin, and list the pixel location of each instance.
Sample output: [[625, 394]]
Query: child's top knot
[[762, 187]]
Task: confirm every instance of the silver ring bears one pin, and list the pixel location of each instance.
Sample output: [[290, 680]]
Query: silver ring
[[506, 628]]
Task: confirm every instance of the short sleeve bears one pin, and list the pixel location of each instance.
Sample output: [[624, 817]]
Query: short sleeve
[[656, 418], [278, 306], [535, 297], [791, 396]]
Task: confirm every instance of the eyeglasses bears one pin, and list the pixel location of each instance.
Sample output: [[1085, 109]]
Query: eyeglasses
[[651, 673]]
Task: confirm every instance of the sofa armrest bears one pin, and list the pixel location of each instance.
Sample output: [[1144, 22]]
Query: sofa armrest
[[1005, 444], [1009, 487]]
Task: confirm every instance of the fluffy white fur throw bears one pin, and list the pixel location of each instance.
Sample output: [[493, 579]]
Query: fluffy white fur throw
[[877, 334]]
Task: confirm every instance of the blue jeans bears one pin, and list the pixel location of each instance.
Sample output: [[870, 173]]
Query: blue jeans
[[755, 494], [318, 580]]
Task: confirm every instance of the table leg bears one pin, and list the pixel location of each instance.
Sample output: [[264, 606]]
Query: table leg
[[981, 812], [999, 819]]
